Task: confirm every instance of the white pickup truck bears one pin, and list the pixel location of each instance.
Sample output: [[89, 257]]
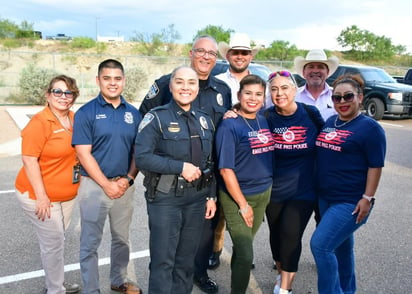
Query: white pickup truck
[[61, 37]]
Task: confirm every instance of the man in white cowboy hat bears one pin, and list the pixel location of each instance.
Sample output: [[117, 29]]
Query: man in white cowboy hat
[[239, 53], [315, 68]]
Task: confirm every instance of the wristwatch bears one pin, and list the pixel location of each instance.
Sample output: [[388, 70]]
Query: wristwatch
[[211, 198], [131, 181], [371, 199]]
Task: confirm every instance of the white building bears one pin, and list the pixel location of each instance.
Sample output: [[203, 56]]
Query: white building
[[110, 39]]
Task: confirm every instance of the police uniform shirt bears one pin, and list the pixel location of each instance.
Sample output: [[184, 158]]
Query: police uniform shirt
[[111, 132], [163, 139]]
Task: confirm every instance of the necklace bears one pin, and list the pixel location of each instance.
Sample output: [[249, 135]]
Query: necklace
[[345, 122], [262, 137], [66, 126]]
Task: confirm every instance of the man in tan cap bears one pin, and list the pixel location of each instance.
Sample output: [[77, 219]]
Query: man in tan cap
[[239, 53], [316, 68]]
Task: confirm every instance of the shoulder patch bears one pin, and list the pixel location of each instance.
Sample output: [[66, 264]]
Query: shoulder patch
[[145, 121], [153, 91]]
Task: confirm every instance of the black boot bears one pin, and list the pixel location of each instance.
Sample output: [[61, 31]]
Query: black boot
[[206, 284], [214, 260]]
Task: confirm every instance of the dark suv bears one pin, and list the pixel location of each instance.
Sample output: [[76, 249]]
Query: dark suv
[[255, 68], [382, 94]]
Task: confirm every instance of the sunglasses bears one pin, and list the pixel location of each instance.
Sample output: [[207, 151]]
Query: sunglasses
[[59, 93], [347, 97], [240, 52], [282, 73]]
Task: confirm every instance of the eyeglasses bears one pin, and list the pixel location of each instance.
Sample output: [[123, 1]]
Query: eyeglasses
[[282, 73], [200, 52], [59, 93], [240, 52], [347, 97]]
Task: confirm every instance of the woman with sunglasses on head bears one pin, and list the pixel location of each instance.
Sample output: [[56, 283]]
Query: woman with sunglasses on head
[[46, 185], [294, 127], [350, 155]]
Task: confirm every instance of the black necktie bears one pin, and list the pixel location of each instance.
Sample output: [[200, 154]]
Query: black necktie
[[195, 142]]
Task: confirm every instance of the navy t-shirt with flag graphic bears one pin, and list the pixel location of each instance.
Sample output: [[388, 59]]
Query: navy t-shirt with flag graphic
[[240, 146], [344, 155], [294, 167]]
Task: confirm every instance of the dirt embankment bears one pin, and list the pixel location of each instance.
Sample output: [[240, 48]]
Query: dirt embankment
[[80, 63]]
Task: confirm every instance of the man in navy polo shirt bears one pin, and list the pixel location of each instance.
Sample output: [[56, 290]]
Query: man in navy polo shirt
[[104, 131]]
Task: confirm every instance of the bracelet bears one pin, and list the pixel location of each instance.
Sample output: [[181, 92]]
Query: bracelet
[[211, 198], [244, 210], [369, 198]]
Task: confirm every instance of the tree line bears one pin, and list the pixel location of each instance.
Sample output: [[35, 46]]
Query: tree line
[[358, 44]]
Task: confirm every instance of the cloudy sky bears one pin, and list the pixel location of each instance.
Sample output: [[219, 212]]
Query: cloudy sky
[[306, 24]]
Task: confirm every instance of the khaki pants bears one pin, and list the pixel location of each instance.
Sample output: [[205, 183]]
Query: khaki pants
[[50, 234]]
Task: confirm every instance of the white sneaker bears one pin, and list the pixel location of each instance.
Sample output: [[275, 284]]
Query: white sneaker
[[276, 290], [283, 291]]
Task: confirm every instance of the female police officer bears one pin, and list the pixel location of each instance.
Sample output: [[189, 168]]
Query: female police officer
[[173, 150]]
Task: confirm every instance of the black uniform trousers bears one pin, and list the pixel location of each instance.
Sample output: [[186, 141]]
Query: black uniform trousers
[[175, 224]]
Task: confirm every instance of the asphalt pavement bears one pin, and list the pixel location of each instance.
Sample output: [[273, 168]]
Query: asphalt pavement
[[383, 247]]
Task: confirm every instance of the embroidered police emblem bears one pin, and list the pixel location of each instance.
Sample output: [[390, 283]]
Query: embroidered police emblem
[[128, 117], [174, 127], [219, 99], [153, 91], [203, 123], [145, 121]]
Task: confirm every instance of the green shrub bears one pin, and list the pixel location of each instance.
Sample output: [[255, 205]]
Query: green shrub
[[101, 47], [33, 82], [83, 43], [135, 81], [12, 43]]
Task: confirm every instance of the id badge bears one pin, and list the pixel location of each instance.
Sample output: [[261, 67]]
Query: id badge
[[76, 174]]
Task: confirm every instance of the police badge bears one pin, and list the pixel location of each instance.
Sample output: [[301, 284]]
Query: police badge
[[203, 123], [219, 99], [128, 117]]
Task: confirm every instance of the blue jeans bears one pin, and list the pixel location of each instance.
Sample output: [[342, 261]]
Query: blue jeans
[[332, 247]]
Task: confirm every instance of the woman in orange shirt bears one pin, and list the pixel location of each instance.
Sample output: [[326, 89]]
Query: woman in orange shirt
[[46, 185]]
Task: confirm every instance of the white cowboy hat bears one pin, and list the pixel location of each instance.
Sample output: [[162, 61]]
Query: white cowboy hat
[[316, 55], [238, 41]]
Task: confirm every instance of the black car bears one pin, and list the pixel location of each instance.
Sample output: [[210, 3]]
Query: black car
[[255, 68]]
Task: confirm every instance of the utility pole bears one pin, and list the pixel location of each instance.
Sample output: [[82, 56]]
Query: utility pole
[[97, 31]]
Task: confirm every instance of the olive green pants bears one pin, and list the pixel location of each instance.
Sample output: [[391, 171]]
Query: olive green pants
[[242, 236]]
